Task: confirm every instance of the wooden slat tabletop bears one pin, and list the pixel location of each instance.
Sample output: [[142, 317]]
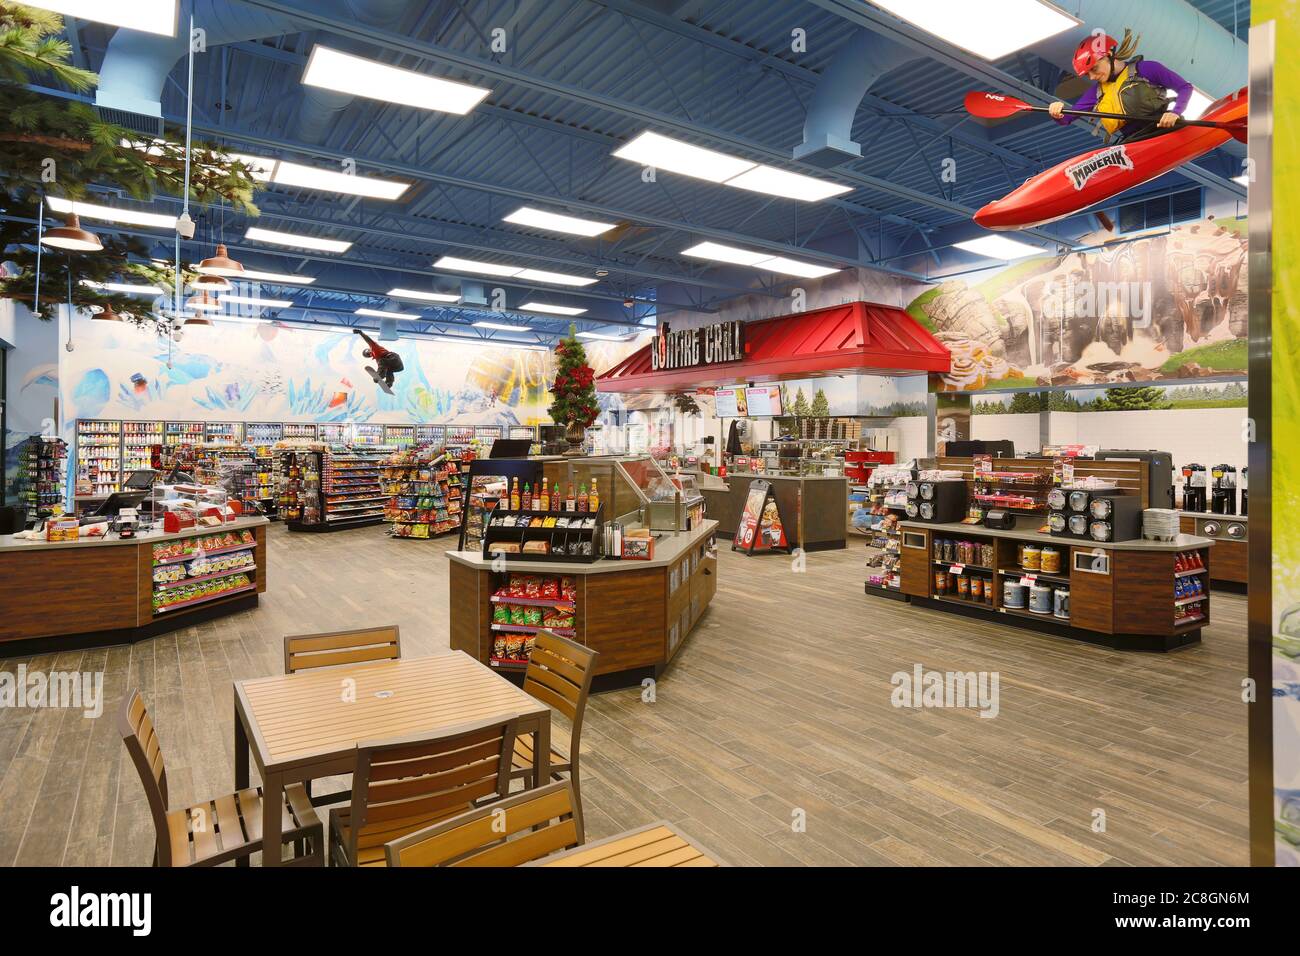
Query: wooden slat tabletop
[[659, 844], [306, 714]]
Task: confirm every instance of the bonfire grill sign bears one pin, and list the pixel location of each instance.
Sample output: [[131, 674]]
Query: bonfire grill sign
[[707, 345], [1081, 172]]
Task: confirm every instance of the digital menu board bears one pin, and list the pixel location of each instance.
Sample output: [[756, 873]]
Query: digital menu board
[[764, 401], [730, 403]]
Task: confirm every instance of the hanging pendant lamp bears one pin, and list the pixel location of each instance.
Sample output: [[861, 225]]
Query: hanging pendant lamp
[[202, 302], [72, 237], [106, 314], [211, 283], [221, 264]]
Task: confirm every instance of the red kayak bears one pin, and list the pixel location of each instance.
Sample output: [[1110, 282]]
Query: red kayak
[[1074, 185]]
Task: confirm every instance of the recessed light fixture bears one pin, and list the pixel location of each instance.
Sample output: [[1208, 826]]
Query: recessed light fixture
[[332, 69], [131, 217], [502, 327], [381, 314], [603, 337], [759, 260], [539, 218], [423, 296], [551, 309], [999, 247], [147, 16], [663, 152], [259, 303], [778, 182], [258, 234], [987, 28], [453, 264]]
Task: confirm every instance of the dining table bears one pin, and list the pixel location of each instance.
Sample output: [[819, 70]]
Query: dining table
[[305, 726], [658, 844]]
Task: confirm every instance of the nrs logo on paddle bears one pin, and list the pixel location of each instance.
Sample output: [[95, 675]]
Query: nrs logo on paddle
[[1081, 172], [75, 909]]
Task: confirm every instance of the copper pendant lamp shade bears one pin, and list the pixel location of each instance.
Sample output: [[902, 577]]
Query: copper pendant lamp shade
[[221, 263], [107, 315], [202, 303], [211, 283], [197, 320], [72, 237]]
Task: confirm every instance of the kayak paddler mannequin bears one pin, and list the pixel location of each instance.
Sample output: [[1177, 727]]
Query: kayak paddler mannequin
[[1125, 83]]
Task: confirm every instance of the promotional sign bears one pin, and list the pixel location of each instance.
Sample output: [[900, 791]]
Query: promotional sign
[[706, 345], [761, 528]]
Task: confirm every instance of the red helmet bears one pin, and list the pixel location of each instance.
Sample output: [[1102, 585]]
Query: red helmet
[[1094, 48]]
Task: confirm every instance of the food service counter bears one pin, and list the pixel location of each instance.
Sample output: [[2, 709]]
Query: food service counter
[[1130, 595], [1231, 534], [637, 614], [97, 591], [812, 508]]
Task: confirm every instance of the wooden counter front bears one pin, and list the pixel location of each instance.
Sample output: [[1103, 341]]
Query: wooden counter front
[[637, 614], [101, 592]]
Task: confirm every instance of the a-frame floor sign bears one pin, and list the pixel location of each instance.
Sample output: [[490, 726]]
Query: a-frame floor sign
[[761, 529]]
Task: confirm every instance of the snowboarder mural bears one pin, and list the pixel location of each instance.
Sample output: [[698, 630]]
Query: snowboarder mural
[[387, 363]]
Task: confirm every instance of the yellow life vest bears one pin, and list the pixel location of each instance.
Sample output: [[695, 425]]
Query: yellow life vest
[[1129, 93]]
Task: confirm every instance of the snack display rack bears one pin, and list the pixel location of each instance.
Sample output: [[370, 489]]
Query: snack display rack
[[524, 604], [516, 535], [99, 458], [298, 491], [886, 498], [425, 494], [484, 482], [351, 494], [202, 569], [40, 476], [141, 445]]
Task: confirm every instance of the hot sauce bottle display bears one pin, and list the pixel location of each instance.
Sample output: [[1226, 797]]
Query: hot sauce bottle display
[[546, 499], [593, 499], [514, 494], [582, 497], [571, 502]]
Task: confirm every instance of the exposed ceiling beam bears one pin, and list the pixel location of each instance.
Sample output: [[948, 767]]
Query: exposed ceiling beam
[[423, 50]]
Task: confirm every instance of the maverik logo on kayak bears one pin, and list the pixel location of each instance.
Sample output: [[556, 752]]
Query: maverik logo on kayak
[[1080, 173]]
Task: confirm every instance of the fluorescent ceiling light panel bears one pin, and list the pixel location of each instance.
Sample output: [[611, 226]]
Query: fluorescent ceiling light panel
[[252, 275], [131, 217], [147, 16], [258, 234], [720, 253], [999, 247], [423, 296], [1242, 180], [381, 314], [552, 309], [759, 260], [123, 287], [554, 278], [332, 69], [603, 337], [502, 327], [539, 218], [778, 182], [452, 264], [793, 267], [987, 28], [263, 168], [253, 300], [328, 180], [661, 152]]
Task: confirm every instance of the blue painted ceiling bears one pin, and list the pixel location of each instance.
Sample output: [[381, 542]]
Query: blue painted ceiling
[[578, 79]]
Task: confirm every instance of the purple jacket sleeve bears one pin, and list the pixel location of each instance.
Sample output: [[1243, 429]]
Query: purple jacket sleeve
[[1160, 75], [1087, 101]]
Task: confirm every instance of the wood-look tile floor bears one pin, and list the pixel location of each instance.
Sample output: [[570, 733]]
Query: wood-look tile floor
[[772, 738]]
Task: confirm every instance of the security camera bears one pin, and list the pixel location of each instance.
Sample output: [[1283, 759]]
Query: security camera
[[69, 346], [185, 226]]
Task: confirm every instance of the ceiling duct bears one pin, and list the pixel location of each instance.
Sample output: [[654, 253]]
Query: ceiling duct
[[828, 127]]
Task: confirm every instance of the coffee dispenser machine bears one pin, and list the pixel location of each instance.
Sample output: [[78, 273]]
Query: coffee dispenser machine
[[1194, 488], [1223, 490]]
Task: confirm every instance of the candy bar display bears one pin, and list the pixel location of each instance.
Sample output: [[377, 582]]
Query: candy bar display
[[526, 604], [1190, 589], [41, 470]]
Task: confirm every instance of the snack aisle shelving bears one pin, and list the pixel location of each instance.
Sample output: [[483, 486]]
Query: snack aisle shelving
[[347, 492], [886, 498], [202, 569], [99, 458], [141, 446], [41, 473], [424, 494], [259, 478]]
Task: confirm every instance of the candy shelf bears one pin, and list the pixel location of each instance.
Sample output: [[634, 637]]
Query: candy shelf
[[40, 478]]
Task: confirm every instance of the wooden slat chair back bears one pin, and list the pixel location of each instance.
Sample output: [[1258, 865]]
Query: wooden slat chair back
[[402, 786], [359, 646], [559, 674], [213, 831], [145, 749], [525, 827]]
